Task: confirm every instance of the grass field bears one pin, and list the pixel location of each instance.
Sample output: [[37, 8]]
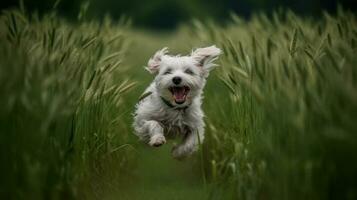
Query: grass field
[[281, 110]]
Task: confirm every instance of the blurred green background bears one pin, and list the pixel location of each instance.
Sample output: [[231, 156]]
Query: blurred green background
[[281, 108], [167, 14]]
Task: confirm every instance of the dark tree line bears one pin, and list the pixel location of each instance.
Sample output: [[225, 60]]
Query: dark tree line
[[168, 13]]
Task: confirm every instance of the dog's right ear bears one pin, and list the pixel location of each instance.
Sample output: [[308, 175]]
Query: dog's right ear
[[154, 62]]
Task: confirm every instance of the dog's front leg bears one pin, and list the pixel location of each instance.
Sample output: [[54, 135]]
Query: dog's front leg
[[192, 139], [155, 132]]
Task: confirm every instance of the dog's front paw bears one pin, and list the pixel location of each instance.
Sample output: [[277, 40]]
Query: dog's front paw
[[157, 140]]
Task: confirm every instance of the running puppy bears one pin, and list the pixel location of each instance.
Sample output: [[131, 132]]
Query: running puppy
[[171, 105]]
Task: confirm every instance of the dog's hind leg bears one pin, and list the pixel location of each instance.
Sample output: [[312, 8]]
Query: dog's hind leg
[[153, 132], [193, 138]]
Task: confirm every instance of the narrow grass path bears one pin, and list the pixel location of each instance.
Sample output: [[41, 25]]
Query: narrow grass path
[[156, 174]]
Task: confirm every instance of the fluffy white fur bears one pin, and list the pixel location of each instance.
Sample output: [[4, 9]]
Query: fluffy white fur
[[166, 113]]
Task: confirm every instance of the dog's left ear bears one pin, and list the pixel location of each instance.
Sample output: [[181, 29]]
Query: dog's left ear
[[155, 62], [205, 57]]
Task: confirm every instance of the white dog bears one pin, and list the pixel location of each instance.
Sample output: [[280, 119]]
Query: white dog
[[171, 105]]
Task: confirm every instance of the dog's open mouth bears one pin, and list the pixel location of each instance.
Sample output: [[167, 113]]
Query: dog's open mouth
[[179, 93]]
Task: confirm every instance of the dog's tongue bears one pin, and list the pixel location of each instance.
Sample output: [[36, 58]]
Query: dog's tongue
[[179, 94]]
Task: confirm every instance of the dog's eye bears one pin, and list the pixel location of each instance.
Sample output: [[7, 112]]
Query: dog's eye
[[188, 71], [168, 71]]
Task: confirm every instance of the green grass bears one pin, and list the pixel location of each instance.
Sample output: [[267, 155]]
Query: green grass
[[62, 87], [287, 130], [281, 110]]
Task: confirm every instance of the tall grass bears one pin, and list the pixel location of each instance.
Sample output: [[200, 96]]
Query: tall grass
[[61, 105], [281, 108], [285, 127]]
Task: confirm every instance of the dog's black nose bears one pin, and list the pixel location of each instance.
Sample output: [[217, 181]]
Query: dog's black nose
[[177, 80]]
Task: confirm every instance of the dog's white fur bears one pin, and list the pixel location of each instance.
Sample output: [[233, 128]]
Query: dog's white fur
[[154, 119]]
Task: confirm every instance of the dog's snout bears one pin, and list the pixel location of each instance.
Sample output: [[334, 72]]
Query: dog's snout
[[177, 80]]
